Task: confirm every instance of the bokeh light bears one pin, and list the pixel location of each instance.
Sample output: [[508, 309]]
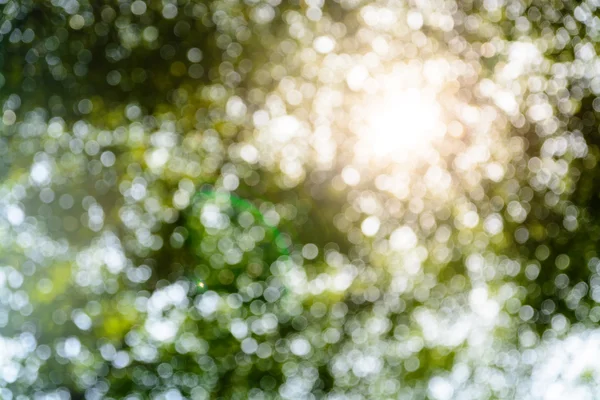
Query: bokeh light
[[355, 199]]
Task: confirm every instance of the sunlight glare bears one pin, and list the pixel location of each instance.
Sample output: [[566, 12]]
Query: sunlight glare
[[400, 123], [404, 122]]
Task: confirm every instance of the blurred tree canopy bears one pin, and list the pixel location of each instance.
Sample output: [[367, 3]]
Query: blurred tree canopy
[[196, 201]]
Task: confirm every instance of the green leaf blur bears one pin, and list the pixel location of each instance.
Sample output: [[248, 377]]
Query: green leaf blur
[[266, 199]]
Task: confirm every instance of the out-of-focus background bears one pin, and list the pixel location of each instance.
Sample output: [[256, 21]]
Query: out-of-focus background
[[305, 199]]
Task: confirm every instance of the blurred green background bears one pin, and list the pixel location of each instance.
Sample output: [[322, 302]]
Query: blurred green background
[[346, 199]]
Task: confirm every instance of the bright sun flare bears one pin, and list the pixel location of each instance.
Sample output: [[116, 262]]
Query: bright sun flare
[[404, 122], [401, 120]]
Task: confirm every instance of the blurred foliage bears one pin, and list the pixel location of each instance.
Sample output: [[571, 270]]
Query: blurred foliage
[[190, 206]]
